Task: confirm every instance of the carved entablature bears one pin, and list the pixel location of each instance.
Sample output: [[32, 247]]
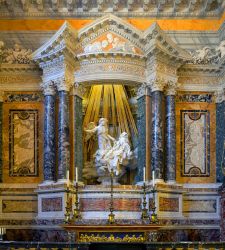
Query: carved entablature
[[112, 50], [110, 68], [199, 77]]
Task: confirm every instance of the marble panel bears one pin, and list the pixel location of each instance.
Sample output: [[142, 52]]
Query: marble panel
[[168, 204], [196, 149], [200, 206], [103, 204], [52, 204], [19, 206], [22, 142], [195, 143], [23, 138], [23, 97], [194, 97]]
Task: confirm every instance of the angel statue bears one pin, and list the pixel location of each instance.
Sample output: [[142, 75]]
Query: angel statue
[[111, 154]]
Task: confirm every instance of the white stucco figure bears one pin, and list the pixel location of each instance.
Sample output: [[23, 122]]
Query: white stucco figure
[[111, 154], [202, 56], [221, 49], [119, 155], [18, 55]]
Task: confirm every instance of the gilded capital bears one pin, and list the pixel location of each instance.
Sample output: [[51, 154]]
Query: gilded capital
[[48, 88]]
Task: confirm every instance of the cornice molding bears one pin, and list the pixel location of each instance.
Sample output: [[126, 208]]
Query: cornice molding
[[90, 9]]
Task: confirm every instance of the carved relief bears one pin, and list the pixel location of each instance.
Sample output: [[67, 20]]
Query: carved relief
[[209, 55], [15, 55], [110, 42]]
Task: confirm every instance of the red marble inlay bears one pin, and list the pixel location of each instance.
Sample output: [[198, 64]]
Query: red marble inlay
[[103, 204], [51, 204], [168, 204]]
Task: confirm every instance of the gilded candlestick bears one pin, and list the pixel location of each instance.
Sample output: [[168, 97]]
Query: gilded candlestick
[[111, 216], [153, 216], [144, 214], [67, 218], [76, 211]]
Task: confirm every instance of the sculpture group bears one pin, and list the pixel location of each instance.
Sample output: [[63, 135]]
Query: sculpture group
[[111, 155]]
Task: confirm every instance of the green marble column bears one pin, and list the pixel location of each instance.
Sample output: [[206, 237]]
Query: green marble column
[[78, 138], [144, 131]]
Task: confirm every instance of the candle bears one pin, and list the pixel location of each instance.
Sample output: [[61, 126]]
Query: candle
[[76, 174], [153, 178], [144, 176], [68, 178]]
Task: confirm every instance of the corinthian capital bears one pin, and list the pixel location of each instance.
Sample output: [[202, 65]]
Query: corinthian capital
[[219, 95], [157, 84], [171, 88], [143, 90], [78, 90], [64, 83], [48, 88]]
